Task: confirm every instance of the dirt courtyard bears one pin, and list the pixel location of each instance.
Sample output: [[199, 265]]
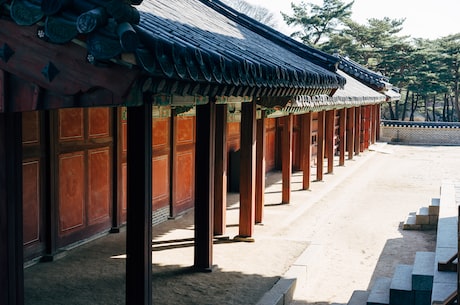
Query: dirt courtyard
[[346, 230]]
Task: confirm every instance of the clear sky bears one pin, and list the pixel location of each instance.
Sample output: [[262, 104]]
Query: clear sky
[[424, 18]]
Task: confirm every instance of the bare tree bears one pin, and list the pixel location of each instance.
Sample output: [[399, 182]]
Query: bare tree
[[259, 13]]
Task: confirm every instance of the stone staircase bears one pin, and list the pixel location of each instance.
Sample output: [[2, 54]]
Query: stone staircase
[[432, 279], [426, 218]]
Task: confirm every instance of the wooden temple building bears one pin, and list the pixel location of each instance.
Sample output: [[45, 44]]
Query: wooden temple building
[[117, 113]]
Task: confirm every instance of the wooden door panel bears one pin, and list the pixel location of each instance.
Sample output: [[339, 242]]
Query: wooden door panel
[[184, 164], [185, 183], [71, 124], [233, 136], [185, 130], [99, 185], [270, 150], [30, 128], [71, 192], [160, 181], [124, 186], [31, 201], [160, 134], [99, 120]]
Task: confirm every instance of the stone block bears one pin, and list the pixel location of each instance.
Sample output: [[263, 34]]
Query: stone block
[[423, 271], [422, 216], [401, 286], [380, 292], [359, 297], [422, 297]]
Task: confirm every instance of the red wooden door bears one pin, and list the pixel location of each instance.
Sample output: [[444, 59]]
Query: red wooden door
[[270, 144], [183, 164], [33, 168], [83, 163], [161, 156]]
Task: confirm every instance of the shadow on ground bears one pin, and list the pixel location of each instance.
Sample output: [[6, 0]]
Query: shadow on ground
[[402, 251]]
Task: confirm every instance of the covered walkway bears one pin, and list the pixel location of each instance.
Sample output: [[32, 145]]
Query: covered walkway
[[345, 231]]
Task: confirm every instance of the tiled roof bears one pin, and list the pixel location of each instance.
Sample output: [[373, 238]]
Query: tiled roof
[[356, 93], [370, 78], [222, 49], [185, 44]]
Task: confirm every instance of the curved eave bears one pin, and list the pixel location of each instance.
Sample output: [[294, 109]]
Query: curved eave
[[184, 48], [222, 52]]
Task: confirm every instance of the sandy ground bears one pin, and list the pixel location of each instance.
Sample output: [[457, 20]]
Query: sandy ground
[[346, 230]]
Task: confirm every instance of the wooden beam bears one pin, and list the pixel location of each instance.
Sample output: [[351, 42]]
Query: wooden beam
[[320, 146], [342, 133], [204, 185], [220, 180], [260, 168], [350, 132], [286, 155], [139, 204], [247, 169], [330, 133], [306, 142], [358, 133], [11, 239]]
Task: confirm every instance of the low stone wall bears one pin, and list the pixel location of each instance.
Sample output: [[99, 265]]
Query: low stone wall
[[427, 133]]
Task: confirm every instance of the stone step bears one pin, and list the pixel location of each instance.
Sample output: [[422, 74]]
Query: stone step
[[380, 292], [359, 297], [423, 271], [422, 217], [434, 206], [410, 222], [401, 286], [281, 293]]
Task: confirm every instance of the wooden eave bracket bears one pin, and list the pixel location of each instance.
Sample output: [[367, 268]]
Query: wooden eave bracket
[[62, 69]]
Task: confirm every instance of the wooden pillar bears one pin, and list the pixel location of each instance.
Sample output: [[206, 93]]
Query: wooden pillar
[[306, 134], [204, 185], [373, 123], [330, 133], [378, 117], [350, 132], [357, 130], [260, 169], [286, 162], [320, 147], [362, 123], [11, 239], [139, 203], [342, 133], [367, 127], [220, 176], [247, 169]]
